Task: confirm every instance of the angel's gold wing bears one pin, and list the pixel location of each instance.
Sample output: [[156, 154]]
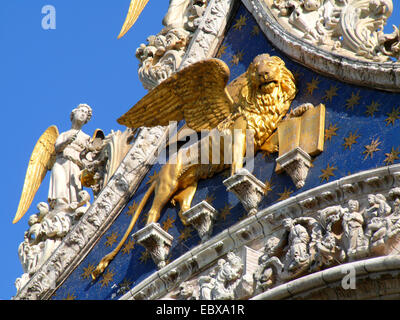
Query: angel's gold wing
[[135, 9], [42, 160], [197, 94]]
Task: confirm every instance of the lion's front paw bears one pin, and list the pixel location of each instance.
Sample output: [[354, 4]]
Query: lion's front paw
[[300, 110]]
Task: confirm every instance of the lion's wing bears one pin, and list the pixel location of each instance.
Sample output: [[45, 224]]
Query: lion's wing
[[196, 94], [42, 159]]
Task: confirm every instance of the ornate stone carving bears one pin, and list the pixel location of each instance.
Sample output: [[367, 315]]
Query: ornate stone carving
[[296, 163], [156, 241], [104, 157], [352, 68], [164, 52], [247, 188], [336, 234], [108, 203], [351, 28], [201, 217]]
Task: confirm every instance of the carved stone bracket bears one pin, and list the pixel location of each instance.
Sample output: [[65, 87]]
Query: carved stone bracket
[[156, 241], [247, 188], [296, 164], [201, 217]]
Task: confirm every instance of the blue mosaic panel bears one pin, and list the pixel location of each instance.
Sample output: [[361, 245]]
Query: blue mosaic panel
[[362, 132]]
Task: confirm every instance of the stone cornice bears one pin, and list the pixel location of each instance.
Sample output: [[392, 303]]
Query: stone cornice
[[328, 283], [265, 224]]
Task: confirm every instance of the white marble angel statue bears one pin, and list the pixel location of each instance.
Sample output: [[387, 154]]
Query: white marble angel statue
[[59, 153]]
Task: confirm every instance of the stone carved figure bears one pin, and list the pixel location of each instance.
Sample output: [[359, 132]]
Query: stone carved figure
[[47, 230], [354, 240], [378, 223], [280, 264], [265, 275], [65, 181], [59, 153], [252, 105], [163, 54], [351, 28], [337, 234], [327, 249], [298, 254], [67, 155], [222, 283]]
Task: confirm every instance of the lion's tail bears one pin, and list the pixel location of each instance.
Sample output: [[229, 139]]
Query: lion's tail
[[109, 257]]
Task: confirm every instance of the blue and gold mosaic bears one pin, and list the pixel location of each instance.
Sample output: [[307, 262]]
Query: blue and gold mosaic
[[362, 130]]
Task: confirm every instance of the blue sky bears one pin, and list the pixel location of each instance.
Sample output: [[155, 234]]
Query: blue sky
[[46, 73]]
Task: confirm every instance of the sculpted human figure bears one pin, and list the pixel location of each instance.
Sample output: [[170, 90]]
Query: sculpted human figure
[[65, 181], [299, 239], [377, 218], [353, 228]]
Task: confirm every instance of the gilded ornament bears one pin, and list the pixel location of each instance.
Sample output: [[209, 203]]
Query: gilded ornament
[[255, 102]]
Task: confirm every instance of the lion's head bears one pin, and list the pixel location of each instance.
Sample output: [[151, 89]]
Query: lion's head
[[266, 73], [267, 91]]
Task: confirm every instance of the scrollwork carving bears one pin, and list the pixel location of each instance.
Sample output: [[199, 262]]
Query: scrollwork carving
[[351, 28], [163, 53]]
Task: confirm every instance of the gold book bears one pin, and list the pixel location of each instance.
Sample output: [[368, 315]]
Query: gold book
[[306, 132]]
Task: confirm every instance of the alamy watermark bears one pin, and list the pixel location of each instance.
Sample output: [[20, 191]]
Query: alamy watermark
[[206, 147], [49, 20], [349, 280]]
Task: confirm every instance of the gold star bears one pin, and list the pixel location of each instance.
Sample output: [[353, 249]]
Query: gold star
[[393, 116], [88, 271], [152, 178], [226, 211], [241, 22], [132, 208], [372, 108], [145, 216], [144, 256], [107, 278], [327, 173], [329, 94], [297, 75], [311, 86], [210, 198], [167, 224], [70, 297], [221, 51], [371, 148], [236, 58], [330, 132], [111, 239], [285, 194], [255, 31], [185, 234], [392, 156], [353, 100], [268, 186], [128, 246], [125, 285], [350, 140]]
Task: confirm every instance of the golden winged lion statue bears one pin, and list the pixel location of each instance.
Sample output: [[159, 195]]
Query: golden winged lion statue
[[253, 103]]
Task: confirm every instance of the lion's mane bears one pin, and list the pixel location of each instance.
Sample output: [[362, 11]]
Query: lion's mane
[[263, 111]]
